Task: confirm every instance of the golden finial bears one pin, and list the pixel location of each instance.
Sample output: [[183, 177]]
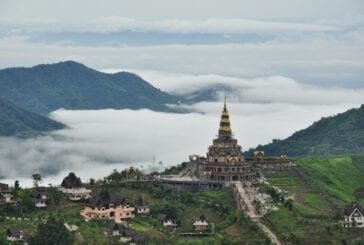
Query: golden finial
[[225, 129]]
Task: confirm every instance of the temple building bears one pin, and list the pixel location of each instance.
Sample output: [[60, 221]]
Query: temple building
[[225, 159], [72, 189]]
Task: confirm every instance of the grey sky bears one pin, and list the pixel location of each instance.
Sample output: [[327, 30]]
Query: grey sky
[[318, 42], [187, 9]]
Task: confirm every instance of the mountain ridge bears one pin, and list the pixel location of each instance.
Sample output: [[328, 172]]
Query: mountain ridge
[[334, 135], [15, 121], [71, 85]]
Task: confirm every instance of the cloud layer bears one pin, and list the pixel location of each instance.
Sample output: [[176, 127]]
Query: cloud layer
[[98, 141], [273, 89]]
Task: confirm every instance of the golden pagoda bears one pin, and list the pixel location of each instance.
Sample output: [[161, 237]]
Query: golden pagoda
[[225, 129], [225, 159]]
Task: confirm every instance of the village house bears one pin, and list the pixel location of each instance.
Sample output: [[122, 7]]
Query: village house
[[201, 224], [166, 220], [14, 234], [5, 194], [354, 215], [131, 236], [114, 229], [72, 189], [141, 208], [40, 197], [126, 235], [109, 207]]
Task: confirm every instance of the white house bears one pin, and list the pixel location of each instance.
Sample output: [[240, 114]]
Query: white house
[[354, 215], [141, 208], [15, 235], [40, 197], [166, 220], [201, 224], [5, 194]]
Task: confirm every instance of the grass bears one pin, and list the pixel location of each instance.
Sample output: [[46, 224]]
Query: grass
[[358, 161], [284, 181], [335, 178], [326, 185]]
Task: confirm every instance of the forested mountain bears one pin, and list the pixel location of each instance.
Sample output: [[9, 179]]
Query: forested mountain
[[70, 85], [340, 134], [15, 121]]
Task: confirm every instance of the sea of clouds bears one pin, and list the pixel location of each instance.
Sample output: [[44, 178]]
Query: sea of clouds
[[98, 141]]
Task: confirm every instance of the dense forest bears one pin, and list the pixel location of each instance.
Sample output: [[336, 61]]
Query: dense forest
[[15, 121], [335, 135], [70, 85]]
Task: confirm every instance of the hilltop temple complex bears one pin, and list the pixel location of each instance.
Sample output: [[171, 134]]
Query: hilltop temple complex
[[225, 162]]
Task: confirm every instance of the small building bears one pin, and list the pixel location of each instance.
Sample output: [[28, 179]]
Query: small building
[[40, 197], [166, 220], [72, 189], [109, 207], [129, 235], [141, 208], [258, 155], [354, 215], [114, 229], [201, 224], [14, 234], [5, 194]]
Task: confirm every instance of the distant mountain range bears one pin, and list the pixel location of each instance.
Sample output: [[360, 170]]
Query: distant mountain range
[[71, 85], [335, 135], [15, 121]]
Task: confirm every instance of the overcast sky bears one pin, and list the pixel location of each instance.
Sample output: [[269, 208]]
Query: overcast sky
[[319, 42]]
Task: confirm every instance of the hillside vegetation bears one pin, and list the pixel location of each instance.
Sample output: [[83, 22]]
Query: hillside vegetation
[[218, 206], [322, 187], [71, 85], [336, 135], [15, 121]]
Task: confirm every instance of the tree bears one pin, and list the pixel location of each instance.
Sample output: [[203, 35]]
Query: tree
[[16, 188], [36, 179], [16, 185], [51, 233], [92, 182]]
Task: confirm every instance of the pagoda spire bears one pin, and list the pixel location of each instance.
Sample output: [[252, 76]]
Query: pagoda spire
[[225, 129]]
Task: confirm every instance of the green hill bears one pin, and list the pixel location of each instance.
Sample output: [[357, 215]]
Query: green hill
[[70, 85], [15, 121], [335, 135], [322, 187]]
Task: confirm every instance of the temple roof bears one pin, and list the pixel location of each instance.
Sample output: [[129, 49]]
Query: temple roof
[[224, 129], [71, 181], [351, 208], [104, 199]]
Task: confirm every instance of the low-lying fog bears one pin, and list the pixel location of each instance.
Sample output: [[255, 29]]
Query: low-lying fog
[[98, 141]]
